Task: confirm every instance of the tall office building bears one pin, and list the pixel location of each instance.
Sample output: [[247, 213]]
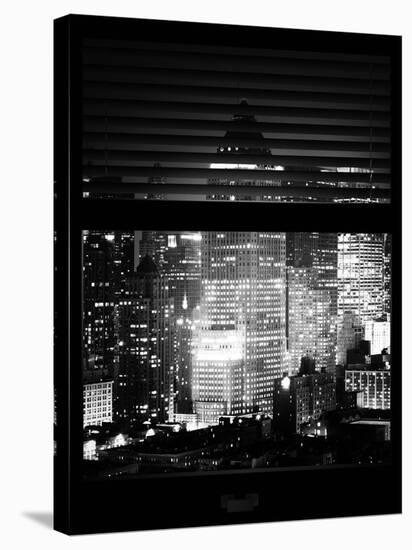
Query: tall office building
[[144, 381], [310, 320], [387, 274], [361, 275], [178, 255], [182, 264], [218, 364], [243, 293], [318, 251], [107, 262], [123, 259], [98, 301], [153, 244]]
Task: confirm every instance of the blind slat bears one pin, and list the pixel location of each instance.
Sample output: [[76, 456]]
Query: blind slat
[[113, 155], [195, 115], [317, 146], [188, 189], [226, 173], [136, 124]]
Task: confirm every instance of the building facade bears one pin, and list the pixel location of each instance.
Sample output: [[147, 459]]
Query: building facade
[[361, 275], [178, 255], [300, 399], [144, 381], [97, 402], [374, 384], [349, 335], [243, 291], [310, 319], [218, 361], [107, 262], [318, 251], [378, 333]]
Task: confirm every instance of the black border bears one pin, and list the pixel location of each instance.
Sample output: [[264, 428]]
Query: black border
[[87, 507]]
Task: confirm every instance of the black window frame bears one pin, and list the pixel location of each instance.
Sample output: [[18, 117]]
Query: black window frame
[[83, 506]]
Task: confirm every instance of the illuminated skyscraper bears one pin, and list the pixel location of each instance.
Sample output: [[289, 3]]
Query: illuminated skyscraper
[[387, 275], [318, 251], [178, 256], [243, 293], [107, 262], [361, 275], [143, 385], [218, 365], [310, 323]]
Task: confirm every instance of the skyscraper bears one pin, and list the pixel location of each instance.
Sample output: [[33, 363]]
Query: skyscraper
[[361, 275], [243, 293], [218, 364], [143, 385], [107, 261], [318, 251], [310, 323], [99, 301], [387, 275], [178, 255]]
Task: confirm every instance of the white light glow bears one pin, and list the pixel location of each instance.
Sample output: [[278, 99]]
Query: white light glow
[[191, 237], [285, 383]]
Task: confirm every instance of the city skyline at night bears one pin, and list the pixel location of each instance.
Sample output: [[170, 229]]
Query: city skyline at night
[[228, 344]]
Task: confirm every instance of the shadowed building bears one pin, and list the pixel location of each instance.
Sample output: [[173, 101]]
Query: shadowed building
[[143, 389], [107, 262], [301, 399]]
